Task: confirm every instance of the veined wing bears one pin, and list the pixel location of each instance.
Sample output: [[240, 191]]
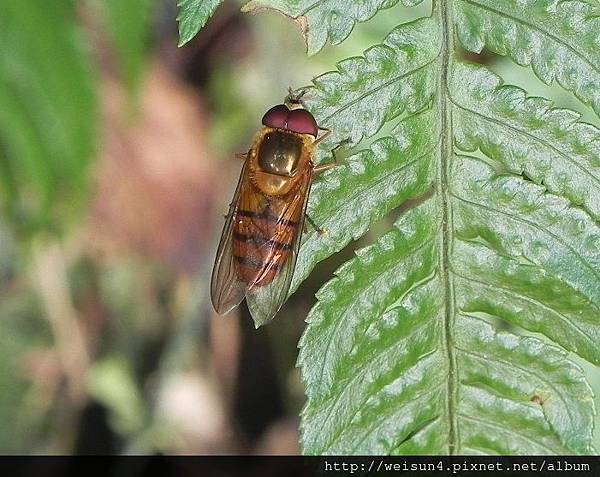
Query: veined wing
[[226, 288]]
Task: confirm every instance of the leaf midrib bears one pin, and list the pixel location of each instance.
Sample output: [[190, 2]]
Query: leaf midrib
[[444, 9]]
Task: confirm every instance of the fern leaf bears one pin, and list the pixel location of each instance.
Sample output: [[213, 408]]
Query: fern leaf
[[323, 20], [559, 39], [407, 349], [392, 367], [193, 15]]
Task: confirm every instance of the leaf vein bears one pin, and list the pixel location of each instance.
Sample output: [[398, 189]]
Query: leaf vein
[[535, 27], [444, 10], [532, 137], [535, 226], [376, 423], [379, 88], [368, 187], [339, 322], [526, 371], [533, 301], [494, 425], [360, 407]]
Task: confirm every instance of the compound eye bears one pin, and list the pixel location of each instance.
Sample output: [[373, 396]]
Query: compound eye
[[302, 122], [276, 117]]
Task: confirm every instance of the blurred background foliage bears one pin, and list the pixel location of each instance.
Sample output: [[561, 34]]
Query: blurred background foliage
[[115, 169]]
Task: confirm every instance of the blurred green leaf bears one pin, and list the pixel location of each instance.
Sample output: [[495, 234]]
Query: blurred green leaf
[[403, 352], [47, 114], [128, 22], [193, 15]]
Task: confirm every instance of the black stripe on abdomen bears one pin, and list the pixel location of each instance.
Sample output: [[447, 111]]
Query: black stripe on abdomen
[[261, 241], [268, 216]]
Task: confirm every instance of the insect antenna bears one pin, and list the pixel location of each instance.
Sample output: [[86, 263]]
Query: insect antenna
[[294, 97]]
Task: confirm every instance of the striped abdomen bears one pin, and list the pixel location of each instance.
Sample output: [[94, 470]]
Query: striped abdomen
[[264, 234]]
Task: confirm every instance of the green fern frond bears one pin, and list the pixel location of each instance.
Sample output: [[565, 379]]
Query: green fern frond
[[403, 352]]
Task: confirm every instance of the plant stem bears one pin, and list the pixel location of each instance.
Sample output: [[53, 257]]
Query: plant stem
[[50, 277]]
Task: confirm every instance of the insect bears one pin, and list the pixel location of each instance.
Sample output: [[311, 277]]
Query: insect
[[260, 240]]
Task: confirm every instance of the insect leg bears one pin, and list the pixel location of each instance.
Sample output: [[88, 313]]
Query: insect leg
[[324, 136], [317, 229], [325, 167], [334, 152]]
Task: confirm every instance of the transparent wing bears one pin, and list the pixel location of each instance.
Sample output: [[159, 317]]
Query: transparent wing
[[265, 301], [226, 290]]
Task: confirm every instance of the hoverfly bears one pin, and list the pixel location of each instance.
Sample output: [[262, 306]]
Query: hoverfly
[[260, 240]]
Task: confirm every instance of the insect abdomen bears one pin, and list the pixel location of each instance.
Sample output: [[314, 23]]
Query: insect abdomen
[[262, 243]]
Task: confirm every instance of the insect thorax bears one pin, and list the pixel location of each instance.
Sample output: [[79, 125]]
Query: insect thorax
[[279, 153]]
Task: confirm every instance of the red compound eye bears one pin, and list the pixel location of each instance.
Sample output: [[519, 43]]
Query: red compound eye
[[276, 117], [296, 120], [302, 122]]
